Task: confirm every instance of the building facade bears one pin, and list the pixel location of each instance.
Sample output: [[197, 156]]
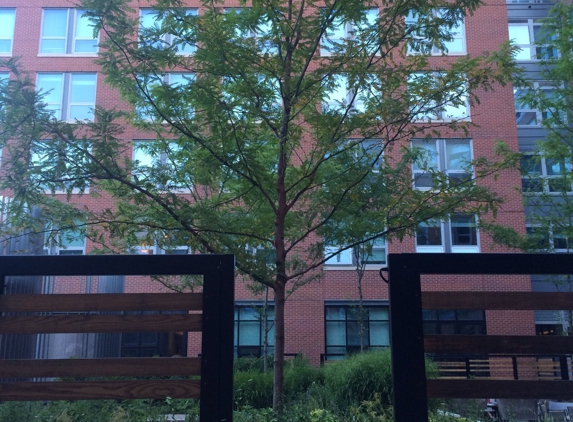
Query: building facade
[[55, 44]]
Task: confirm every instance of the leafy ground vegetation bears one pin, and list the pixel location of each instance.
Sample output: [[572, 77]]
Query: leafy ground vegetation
[[357, 389]]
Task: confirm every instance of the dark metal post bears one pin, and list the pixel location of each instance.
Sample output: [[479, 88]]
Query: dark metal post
[[564, 367], [514, 365], [468, 367], [407, 344], [216, 403]]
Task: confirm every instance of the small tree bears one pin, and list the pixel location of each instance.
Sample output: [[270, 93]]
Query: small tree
[[252, 148]]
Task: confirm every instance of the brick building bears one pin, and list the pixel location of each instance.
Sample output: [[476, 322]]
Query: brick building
[[54, 42]]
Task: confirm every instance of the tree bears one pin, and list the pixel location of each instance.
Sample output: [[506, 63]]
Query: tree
[[547, 171], [254, 147]]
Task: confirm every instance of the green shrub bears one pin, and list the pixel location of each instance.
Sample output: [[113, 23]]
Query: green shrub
[[300, 375], [245, 364], [253, 389], [359, 377]]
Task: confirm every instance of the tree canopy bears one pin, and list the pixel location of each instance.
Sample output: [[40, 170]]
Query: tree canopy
[[283, 126]]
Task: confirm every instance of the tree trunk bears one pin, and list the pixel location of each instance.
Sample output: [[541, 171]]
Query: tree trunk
[[266, 332], [278, 381]]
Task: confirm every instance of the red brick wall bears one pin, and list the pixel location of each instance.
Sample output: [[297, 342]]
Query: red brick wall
[[494, 118]]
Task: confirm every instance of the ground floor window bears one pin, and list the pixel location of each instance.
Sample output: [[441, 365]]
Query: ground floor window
[[346, 334], [450, 321], [250, 329]]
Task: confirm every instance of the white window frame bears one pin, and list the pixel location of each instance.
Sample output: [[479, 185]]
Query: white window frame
[[440, 160], [8, 24], [167, 39], [70, 37], [65, 102], [542, 174], [346, 258], [446, 230], [430, 112], [529, 50], [350, 30], [458, 33]]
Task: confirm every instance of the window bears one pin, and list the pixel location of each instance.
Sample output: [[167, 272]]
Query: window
[[261, 33], [150, 344], [159, 164], [447, 321], [525, 113], [70, 96], [159, 243], [553, 238], [341, 93], [343, 328], [372, 254], [431, 100], [151, 33], [340, 32], [65, 242], [249, 329], [55, 167], [462, 235], [545, 175], [67, 31], [264, 93], [155, 86], [452, 157], [525, 33], [7, 21], [419, 27]]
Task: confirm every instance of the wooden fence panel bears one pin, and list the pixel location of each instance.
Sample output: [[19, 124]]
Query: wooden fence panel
[[101, 302], [30, 324], [100, 390], [212, 315], [110, 367]]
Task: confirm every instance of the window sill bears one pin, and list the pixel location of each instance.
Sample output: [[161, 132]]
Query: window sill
[[369, 267], [67, 55], [5, 54]]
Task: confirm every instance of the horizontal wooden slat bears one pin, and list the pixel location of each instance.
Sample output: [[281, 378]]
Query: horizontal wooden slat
[[152, 389], [497, 300], [30, 324], [101, 302], [533, 345], [135, 367], [506, 389]]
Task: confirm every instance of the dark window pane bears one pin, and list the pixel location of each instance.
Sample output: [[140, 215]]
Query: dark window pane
[[471, 328], [430, 328], [428, 314], [429, 234], [470, 314], [447, 328], [447, 315]]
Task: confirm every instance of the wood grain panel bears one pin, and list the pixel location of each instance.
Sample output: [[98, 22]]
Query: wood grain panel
[[507, 389], [101, 302], [497, 300], [29, 324], [134, 367], [532, 345], [99, 390]]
